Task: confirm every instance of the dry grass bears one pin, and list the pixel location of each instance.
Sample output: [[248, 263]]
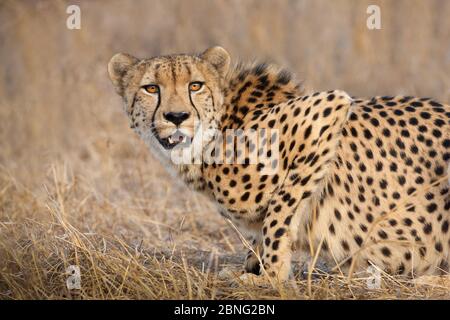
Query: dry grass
[[78, 188], [124, 254]]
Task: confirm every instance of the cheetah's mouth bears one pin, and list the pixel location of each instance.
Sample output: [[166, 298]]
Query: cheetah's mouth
[[176, 139]]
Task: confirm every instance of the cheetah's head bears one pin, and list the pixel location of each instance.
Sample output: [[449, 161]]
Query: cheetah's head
[[168, 97]]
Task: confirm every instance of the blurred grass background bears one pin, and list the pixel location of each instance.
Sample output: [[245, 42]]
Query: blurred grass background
[[56, 96], [67, 155]]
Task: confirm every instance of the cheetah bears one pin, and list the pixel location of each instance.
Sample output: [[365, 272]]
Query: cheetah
[[355, 182]]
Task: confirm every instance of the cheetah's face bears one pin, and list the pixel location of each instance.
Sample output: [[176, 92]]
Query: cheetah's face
[[167, 98]]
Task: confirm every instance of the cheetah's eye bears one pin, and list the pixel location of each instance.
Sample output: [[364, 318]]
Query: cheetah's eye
[[195, 86], [151, 88]]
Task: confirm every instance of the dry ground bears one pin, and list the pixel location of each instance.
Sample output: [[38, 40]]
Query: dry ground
[[78, 188]]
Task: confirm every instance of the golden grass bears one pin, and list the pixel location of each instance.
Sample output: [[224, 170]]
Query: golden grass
[[121, 255], [78, 188]]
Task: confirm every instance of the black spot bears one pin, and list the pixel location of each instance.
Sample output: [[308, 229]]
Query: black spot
[[419, 180], [446, 143], [327, 112], [427, 228], [308, 132], [358, 240], [425, 115], [393, 167], [431, 207], [439, 122], [331, 228], [379, 166], [405, 133], [398, 112], [345, 245], [374, 122], [422, 251], [258, 197], [279, 233], [245, 196], [287, 221], [407, 222], [382, 234], [275, 179], [413, 121], [437, 133], [400, 144], [423, 129], [275, 244], [367, 134], [337, 214], [439, 170], [306, 194], [445, 225], [386, 252]]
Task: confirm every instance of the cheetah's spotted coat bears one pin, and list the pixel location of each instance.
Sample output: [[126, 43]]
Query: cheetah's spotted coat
[[367, 180]]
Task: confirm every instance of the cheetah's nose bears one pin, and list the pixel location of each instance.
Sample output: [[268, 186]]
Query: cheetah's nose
[[176, 117]]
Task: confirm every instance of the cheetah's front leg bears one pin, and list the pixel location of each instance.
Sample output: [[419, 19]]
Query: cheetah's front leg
[[280, 230]]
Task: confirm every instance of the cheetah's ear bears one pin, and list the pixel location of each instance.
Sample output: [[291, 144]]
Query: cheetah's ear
[[219, 58], [118, 66]]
